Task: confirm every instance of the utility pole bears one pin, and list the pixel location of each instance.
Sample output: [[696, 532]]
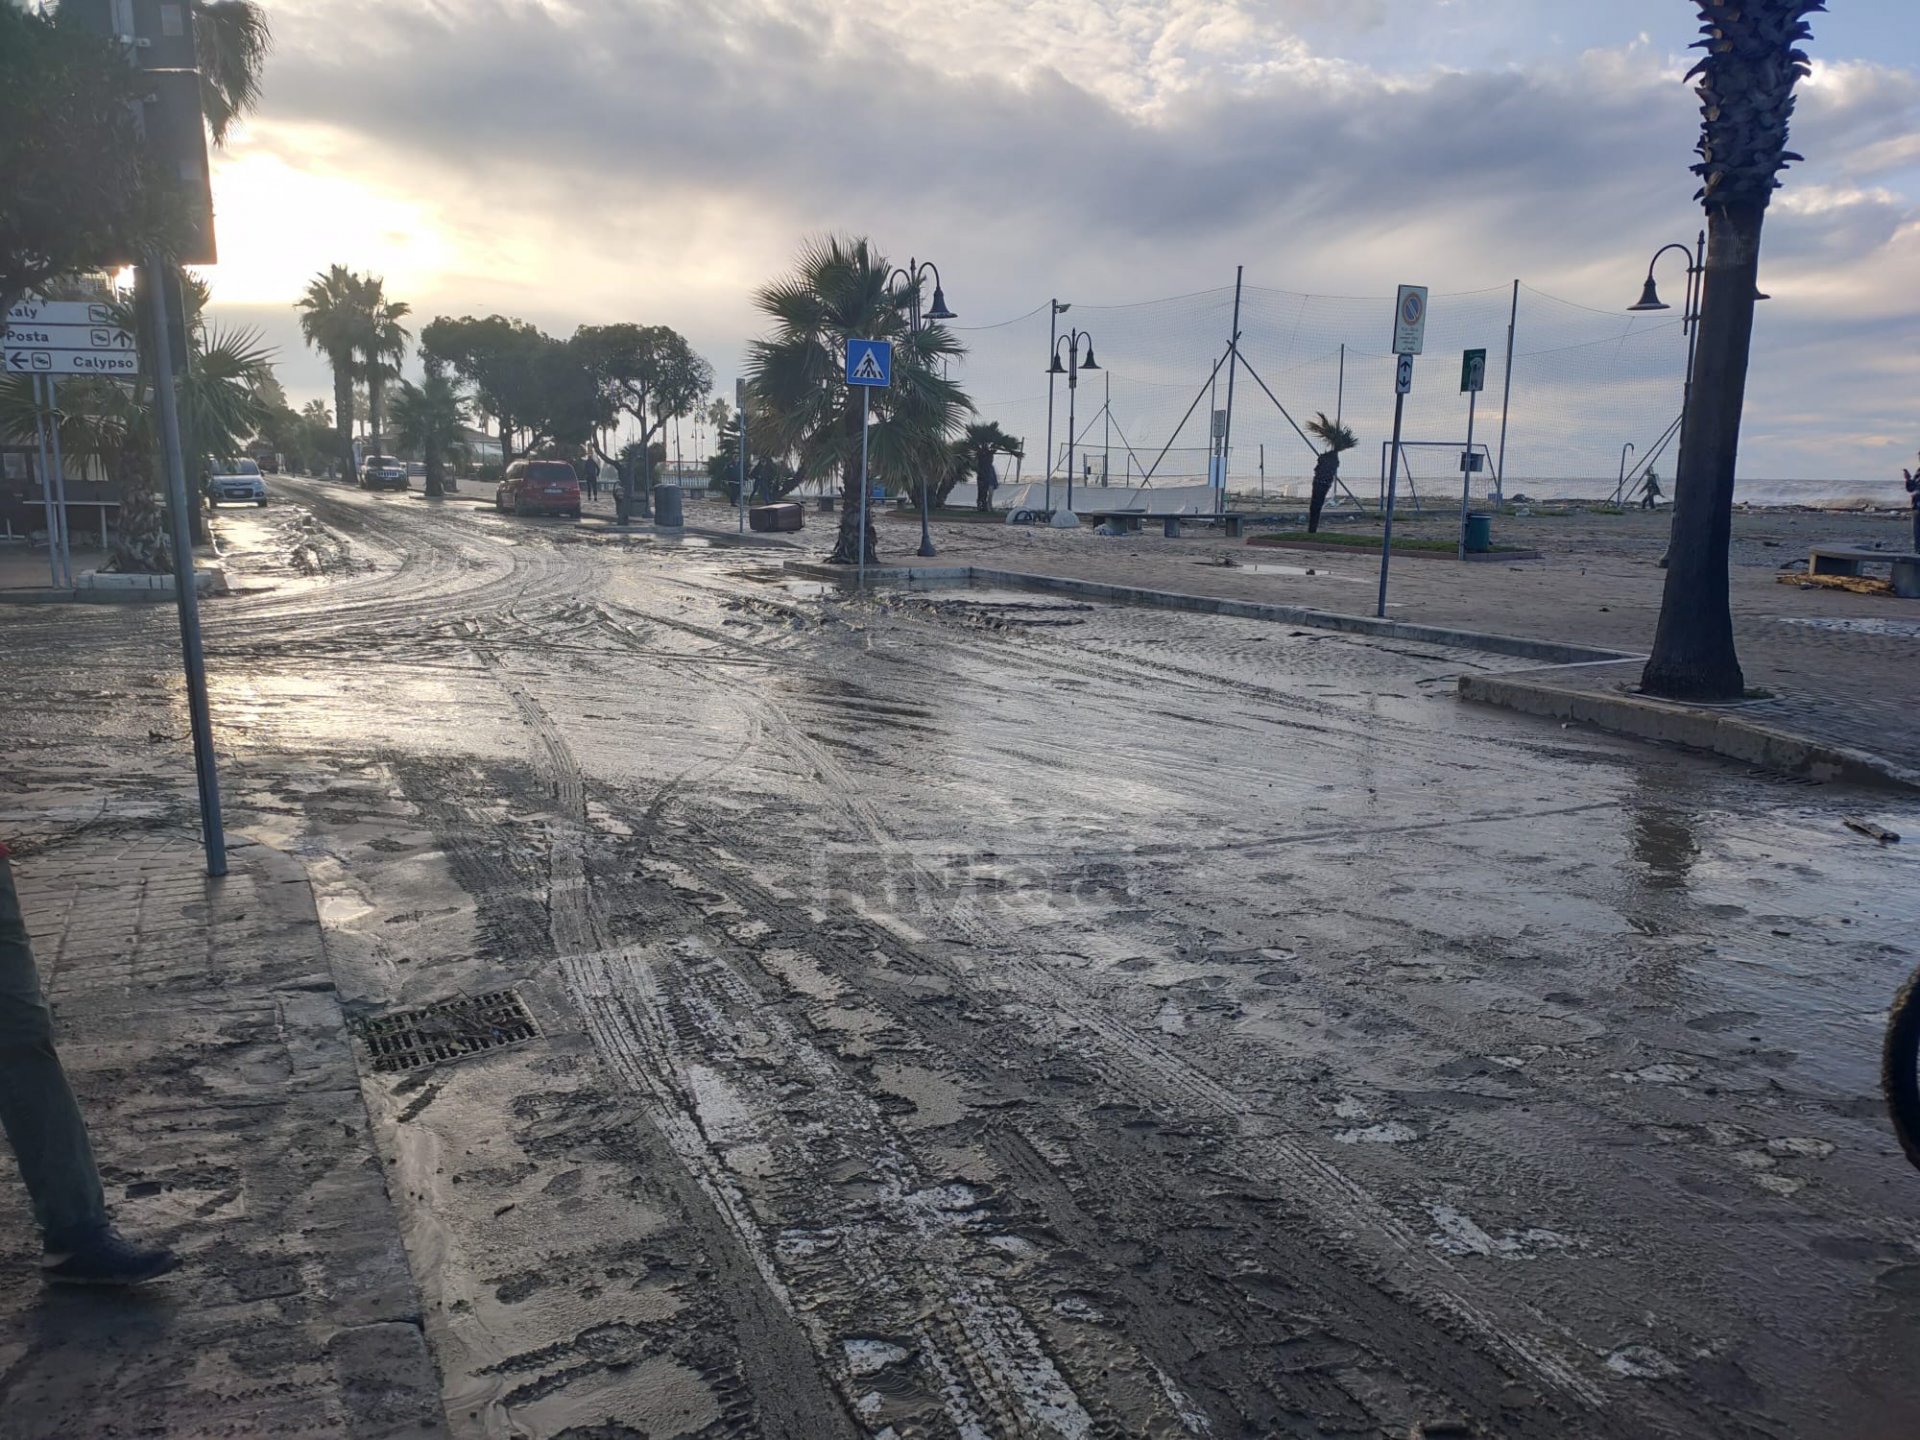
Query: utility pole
[[1054, 310], [1506, 400], [1233, 367], [740, 404], [186, 591]]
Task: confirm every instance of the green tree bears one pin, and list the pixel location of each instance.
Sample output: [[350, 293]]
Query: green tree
[[838, 291], [231, 39], [1337, 439], [648, 371], [1752, 65], [976, 450], [77, 189], [428, 418], [331, 322], [503, 360]]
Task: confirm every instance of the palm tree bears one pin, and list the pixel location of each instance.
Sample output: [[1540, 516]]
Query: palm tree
[[840, 291], [1753, 62], [1326, 466], [382, 345], [231, 39], [977, 447], [330, 322], [429, 417]]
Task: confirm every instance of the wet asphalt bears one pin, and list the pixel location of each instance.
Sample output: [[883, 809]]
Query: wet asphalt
[[982, 1014]]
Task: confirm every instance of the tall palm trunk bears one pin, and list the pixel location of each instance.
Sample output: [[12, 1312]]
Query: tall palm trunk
[[848, 547], [1326, 470], [1753, 62], [343, 412], [373, 410], [983, 478], [1693, 648]]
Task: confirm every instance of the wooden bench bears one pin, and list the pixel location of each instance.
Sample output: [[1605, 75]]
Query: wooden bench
[[1849, 560], [1233, 526]]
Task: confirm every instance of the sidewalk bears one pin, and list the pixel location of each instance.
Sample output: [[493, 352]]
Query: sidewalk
[[199, 1024]]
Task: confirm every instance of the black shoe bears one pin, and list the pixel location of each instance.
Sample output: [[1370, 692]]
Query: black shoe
[[109, 1258]]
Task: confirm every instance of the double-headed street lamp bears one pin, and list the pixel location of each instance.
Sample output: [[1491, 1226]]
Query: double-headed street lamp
[[913, 277], [1065, 518]]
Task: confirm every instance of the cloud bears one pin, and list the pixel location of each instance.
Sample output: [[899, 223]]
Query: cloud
[[575, 160]]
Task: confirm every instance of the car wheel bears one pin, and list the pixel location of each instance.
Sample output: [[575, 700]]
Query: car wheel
[[261, 503]]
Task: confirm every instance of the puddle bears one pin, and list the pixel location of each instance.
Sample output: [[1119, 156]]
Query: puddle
[[1894, 629]]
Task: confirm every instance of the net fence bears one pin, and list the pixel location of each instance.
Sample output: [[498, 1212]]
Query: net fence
[[1586, 385]]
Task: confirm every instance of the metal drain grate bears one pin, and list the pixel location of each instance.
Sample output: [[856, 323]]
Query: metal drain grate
[[466, 1025]]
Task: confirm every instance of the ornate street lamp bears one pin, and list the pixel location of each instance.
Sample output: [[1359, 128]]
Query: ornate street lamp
[[1065, 519], [913, 277]]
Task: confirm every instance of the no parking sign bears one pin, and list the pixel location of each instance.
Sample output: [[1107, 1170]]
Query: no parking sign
[[1410, 320]]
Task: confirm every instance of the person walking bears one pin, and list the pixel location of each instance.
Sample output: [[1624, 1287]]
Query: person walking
[[1912, 477], [590, 477], [1651, 499], [48, 1137]]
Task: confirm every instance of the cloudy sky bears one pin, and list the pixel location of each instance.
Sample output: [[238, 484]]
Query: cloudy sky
[[574, 161]]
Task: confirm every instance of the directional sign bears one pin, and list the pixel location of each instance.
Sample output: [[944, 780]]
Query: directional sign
[[1410, 320], [24, 360], [68, 337], [60, 312], [1403, 382], [1473, 372], [870, 363]]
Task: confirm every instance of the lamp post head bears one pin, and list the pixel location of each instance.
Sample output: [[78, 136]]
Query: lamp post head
[[1056, 368], [940, 310], [1649, 298], [1088, 363]]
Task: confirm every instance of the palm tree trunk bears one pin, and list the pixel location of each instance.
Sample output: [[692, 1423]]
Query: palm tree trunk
[[847, 548], [1693, 651], [1325, 471], [343, 412], [983, 481], [373, 409]]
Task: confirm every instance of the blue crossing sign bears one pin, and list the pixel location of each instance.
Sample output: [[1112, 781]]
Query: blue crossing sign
[[870, 363]]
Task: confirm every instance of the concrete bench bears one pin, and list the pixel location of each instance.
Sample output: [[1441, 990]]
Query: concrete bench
[[1172, 526], [1850, 560]]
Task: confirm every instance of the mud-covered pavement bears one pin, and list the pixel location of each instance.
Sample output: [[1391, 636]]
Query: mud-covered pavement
[[984, 1015]]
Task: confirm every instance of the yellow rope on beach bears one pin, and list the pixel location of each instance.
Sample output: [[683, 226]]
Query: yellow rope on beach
[[1858, 584]]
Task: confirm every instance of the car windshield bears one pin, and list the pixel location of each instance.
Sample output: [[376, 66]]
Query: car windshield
[[382, 460], [550, 470], [245, 467]]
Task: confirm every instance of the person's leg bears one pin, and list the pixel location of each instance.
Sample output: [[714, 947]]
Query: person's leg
[[37, 1108]]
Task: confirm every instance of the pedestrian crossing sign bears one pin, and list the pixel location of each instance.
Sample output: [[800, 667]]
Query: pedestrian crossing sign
[[870, 363]]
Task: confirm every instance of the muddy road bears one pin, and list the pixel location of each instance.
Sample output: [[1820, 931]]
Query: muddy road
[[985, 1015]]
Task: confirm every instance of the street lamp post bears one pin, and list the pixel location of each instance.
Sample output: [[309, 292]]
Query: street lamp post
[[1689, 321], [1055, 310], [913, 276], [1064, 518]]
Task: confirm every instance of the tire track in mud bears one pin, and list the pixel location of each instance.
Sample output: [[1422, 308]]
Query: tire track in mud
[[996, 1376]]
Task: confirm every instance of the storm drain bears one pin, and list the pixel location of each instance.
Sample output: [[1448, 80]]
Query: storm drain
[[451, 1030]]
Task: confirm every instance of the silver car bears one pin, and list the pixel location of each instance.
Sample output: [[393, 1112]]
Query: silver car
[[237, 480]]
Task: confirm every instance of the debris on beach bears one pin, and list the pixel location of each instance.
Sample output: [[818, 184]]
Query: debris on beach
[[1873, 831]]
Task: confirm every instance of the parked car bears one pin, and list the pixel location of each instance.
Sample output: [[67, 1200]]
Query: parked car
[[539, 487], [383, 472], [233, 479]]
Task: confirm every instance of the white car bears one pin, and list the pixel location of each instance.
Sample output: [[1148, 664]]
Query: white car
[[236, 480]]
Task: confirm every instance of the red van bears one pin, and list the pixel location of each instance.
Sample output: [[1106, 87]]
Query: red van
[[539, 487]]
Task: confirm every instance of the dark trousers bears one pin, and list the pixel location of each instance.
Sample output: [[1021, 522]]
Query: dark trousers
[[37, 1108]]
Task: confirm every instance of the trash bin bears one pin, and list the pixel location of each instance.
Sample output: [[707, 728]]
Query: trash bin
[[1479, 534], [667, 514]]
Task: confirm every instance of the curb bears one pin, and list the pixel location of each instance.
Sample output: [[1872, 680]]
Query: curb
[[1551, 651], [1323, 548], [1732, 737]]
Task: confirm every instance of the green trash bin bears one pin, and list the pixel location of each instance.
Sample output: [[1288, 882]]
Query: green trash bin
[[1479, 534]]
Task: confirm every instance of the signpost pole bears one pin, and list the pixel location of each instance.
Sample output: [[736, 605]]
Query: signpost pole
[[59, 481], [1466, 472], [866, 420], [46, 487], [213, 833], [740, 405], [1393, 477]]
